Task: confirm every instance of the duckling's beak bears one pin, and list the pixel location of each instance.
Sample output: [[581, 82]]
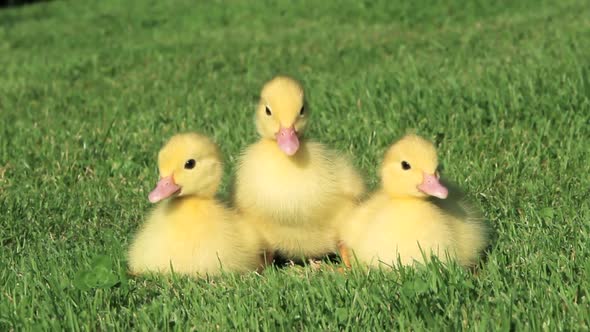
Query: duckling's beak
[[431, 186], [287, 140], [164, 189]]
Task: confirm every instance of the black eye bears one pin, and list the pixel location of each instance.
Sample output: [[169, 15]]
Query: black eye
[[268, 112], [302, 111], [405, 165], [190, 164]]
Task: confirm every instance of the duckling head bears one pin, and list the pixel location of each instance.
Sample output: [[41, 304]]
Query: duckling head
[[189, 164], [281, 114], [410, 169]]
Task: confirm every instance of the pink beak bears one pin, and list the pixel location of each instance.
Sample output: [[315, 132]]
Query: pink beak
[[164, 189], [431, 186], [288, 141]]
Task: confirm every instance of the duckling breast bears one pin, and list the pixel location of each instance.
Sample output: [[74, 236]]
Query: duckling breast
[[288, 190]]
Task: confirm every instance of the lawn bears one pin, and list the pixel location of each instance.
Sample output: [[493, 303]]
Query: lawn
[[89, 91]]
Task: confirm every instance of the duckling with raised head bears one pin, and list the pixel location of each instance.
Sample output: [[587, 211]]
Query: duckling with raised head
[[406, 218], [293, 190], [190, 232]]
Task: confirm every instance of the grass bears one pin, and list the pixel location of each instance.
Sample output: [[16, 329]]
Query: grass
[[90, 90]]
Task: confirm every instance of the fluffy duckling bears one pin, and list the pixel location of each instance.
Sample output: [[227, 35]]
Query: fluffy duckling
[[406, 219], [293, 190], [190, 232]]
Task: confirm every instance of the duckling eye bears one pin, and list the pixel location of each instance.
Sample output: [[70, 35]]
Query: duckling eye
[[268, 112], [405, 165], [302, 112], [190, 164]]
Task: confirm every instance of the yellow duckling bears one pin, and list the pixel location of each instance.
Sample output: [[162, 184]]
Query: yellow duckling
[[190, 232], [403, 220], [293, 190]]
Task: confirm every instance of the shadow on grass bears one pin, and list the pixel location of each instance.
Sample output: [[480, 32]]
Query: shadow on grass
[[281, 262], [16, 3], [460, 206]]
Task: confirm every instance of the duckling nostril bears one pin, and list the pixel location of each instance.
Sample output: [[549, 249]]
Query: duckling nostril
[[287, 140]]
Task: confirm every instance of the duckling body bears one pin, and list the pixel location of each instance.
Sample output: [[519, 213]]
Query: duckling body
[[190, 232], [295, 191], [292, 199], [400, 223], [193, 236], [398, 229]]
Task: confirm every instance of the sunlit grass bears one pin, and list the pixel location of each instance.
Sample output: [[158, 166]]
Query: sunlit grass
[[90, 90]]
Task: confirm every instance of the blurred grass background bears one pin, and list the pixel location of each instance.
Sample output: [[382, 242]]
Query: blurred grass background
[[90, 90]]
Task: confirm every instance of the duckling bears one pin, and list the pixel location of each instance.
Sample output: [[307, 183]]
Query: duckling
[[189, 231], [293, 190], [406, 220]]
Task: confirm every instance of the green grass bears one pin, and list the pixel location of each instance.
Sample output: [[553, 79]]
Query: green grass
[[90, 90]]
